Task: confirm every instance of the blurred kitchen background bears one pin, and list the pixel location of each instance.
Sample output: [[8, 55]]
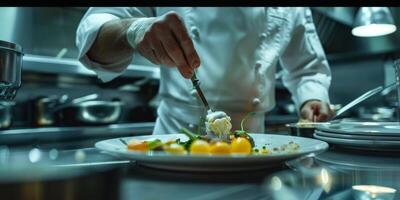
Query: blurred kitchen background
[[50, 68]]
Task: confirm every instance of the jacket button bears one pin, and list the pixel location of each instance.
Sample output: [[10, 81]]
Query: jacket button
[[256, 101], [263, 36], [195, 32], [258, 65]]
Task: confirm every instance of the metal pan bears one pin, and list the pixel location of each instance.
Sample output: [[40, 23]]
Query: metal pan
[[303, 129], [94, 112]]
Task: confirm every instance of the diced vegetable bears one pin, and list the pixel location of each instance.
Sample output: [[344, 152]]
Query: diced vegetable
[[137, 145]]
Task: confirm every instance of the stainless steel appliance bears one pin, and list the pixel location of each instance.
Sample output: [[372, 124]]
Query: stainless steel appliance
[[10, 69]]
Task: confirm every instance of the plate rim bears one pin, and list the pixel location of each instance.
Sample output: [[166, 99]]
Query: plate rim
[[326, 128], [356, 143], [357, 137]]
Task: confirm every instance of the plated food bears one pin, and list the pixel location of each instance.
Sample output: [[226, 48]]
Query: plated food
[[277, 145], [219, 140], [221, 150], [202, 146]]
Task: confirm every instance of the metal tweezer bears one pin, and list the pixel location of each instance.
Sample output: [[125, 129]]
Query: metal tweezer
[[196, 85]]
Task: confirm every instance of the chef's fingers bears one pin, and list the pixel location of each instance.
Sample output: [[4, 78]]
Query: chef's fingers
[[176, 54], [324, 112], [178, 28], [322, 117], [161, 54], [146, 50], [307, 113]]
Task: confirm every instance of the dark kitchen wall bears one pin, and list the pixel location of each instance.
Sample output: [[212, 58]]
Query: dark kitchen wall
[[353, 77]]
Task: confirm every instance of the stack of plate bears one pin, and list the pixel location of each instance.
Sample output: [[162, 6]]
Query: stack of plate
[[382, 136]]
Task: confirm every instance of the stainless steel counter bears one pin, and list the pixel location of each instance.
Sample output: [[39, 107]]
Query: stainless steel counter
[[60, 134], [47, 64], [330, 175]]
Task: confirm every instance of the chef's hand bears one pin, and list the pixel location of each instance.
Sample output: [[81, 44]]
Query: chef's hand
[[164, 40], [316, 111]]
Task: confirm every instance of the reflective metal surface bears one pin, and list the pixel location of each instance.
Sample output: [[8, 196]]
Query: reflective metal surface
[[93, 112], [56, 174], [6, 114], [37, 63], [57, 134], [10, 69], [397, 70], [363, 128], [332, 175], [338, 175]]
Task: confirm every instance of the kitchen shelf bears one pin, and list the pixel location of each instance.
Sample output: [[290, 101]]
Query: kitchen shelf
[[47, 64], [57, 134]]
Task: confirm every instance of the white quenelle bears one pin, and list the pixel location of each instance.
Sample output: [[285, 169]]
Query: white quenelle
[[218, 125]]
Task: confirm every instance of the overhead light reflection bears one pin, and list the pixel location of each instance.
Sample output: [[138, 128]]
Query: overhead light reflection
[[53, 154], [324, 176], [276, 183], [374, 189], [4, 155], [80, 156], [325, 180], [34, 155]]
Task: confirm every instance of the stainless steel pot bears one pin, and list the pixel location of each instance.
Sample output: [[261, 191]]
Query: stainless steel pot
[[94, 112], [10, 69], [6, 114], [302, 130], [44, 107]]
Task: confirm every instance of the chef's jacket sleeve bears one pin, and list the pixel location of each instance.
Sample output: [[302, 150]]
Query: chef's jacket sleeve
[[306, 71], [87, 32]]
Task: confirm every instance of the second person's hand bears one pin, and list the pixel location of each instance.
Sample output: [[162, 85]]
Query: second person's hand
[[316, 111], [164, 40]]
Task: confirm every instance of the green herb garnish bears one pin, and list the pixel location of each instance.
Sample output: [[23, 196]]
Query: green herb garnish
[[155, 144], [242, 132]]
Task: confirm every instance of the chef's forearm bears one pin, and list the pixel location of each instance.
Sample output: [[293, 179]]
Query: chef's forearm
[[111, 44]]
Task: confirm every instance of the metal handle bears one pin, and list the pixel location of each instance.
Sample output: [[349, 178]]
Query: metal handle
[[359, 100], [85, 98], [196, 85], [397, 70]]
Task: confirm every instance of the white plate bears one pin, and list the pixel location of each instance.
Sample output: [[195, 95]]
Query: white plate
[[380, 145], [363, 128], [356, 137], [214, 163]]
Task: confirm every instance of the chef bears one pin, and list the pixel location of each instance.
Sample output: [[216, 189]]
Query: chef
[[234, 52]]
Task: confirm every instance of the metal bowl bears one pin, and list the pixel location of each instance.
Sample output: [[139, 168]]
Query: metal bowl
[[94, 112], [296, 129], [306, 129]]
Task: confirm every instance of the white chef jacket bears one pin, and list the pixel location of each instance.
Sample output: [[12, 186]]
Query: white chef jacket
[[239, 49]]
